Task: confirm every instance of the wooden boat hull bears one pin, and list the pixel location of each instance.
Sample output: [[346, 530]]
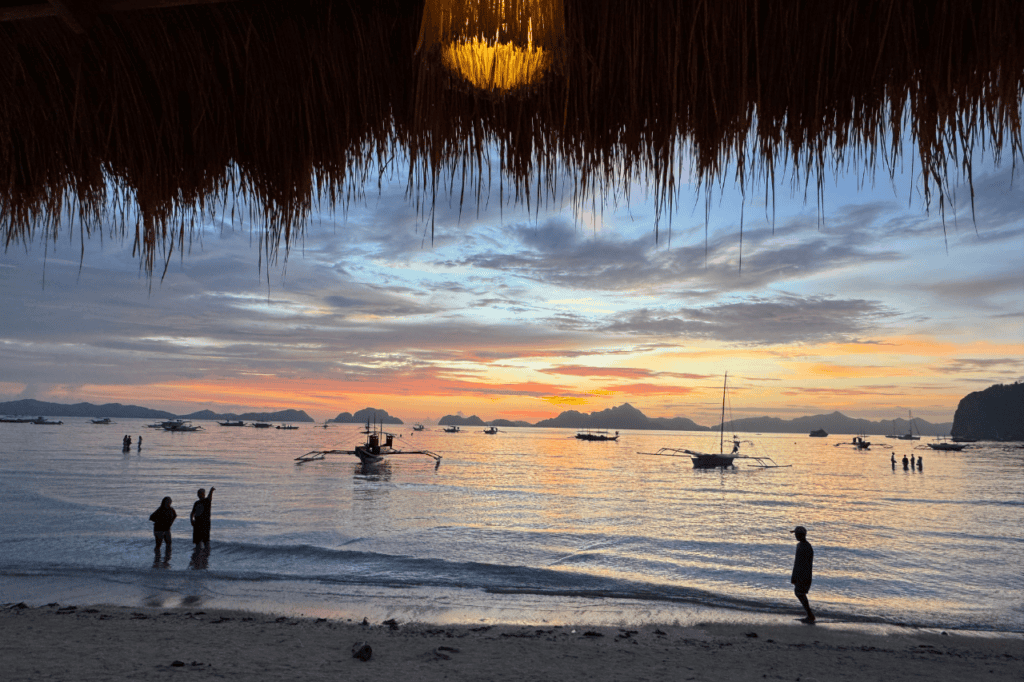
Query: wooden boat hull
[[711, 461], [955, 447]]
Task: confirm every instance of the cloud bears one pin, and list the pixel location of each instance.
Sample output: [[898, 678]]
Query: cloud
[[779, 320], [617, 372]]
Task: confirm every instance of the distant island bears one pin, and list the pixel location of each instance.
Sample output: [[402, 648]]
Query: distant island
[[627, 417], [365, 415], [997, 413], [119, 411]]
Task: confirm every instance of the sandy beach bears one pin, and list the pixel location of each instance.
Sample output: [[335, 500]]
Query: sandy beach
[[111, 643]]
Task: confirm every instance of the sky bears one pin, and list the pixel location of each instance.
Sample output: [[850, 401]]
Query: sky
[[868, 304]]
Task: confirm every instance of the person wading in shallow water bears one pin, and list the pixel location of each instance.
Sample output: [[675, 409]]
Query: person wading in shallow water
[[162, 520], [803, 567], [200, 518]]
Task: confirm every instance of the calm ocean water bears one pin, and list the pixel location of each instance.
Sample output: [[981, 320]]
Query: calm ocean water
[[528, 525]]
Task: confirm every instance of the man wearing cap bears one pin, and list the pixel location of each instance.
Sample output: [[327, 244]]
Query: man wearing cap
[[803, 566]]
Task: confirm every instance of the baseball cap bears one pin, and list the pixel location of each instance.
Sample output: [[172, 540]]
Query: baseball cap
[[799, 529]]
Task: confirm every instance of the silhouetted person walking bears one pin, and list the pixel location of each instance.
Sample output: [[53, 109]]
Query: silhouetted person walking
[[200, 518], [893, 460], [803, 568], [906, 463], [162, 519]]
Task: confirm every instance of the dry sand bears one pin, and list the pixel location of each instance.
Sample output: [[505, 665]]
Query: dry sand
[[112, 643]]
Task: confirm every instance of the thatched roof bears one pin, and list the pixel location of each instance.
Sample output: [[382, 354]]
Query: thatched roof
[[107, 106]]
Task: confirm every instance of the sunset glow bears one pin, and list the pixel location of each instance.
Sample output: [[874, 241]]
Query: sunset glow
[[521, 315]]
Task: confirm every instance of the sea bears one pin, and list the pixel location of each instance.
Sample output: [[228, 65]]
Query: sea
[[527, 526]]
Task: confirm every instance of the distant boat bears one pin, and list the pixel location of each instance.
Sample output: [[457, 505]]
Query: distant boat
[[104, 420], [287, 427], [417, 427], [860, 443], [819, 433], [491, 430], [452, 429], [587, 434], [261, 425], [960, 439], [946, 445], [179, 425], [45, 421], [909, 435], [237, 422]]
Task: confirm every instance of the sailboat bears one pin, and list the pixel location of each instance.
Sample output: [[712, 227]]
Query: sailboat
[[704, 460], [909, 435]]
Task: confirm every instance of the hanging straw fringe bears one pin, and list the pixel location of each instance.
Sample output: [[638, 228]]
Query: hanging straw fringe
[[151, 121]]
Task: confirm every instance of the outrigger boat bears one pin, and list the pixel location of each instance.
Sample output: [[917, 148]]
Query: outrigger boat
[[418, 427], [378, 445], [452, 429], [104, 420], [704, 460], [491, 430], [228, 422]]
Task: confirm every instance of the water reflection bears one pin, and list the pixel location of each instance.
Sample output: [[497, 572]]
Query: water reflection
[[200, 560], [375, 471], [162, 561]]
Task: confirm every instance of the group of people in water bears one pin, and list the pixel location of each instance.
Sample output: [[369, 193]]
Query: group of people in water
[[163, 518], [126, 443], [908, 465]]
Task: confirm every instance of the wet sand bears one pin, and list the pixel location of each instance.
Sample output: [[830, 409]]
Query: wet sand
[[114, 643]]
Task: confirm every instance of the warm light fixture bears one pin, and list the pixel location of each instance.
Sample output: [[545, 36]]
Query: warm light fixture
[[497, 46]]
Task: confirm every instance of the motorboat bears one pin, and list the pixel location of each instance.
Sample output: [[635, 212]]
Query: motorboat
[[179, 426], [229, 422], [596, 435], [45, 421], [860, 443], [104, 420], [286, 427], [946, 445], [261, 425], [418, 427], [491, 430], [819, 433], [452, 429]]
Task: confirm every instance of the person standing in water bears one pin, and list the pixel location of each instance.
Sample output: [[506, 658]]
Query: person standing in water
[[200, 518], [803, 568], [162, 520], [893, 460]]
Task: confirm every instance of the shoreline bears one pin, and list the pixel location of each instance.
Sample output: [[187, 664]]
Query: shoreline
[[56, 642]]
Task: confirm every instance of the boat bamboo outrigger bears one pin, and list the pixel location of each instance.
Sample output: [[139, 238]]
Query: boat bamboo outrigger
[[703, 460], [378, 445]]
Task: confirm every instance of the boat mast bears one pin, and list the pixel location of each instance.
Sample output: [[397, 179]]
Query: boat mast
[[721, 435]]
